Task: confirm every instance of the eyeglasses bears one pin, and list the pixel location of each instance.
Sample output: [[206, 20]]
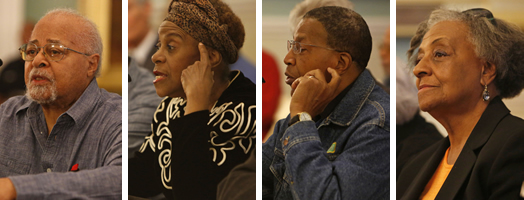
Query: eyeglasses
[[296, 46], [481, 12], [52, 51]]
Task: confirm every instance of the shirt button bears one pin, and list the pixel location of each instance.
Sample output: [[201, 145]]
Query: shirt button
[[48, 169], [285, 141]]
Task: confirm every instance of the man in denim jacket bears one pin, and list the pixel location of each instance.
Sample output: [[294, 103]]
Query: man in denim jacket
[[335, 142]]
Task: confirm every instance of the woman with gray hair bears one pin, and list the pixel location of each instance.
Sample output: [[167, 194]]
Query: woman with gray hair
[[465, 63]]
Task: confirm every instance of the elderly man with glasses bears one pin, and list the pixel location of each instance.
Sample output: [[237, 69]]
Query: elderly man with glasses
[[335, 142], [63, 139]]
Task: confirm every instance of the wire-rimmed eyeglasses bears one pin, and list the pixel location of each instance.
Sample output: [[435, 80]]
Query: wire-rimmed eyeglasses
[[296, 46], [52, 51]]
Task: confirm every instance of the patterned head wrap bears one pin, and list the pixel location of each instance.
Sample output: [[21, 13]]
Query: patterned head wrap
[[200, 20]]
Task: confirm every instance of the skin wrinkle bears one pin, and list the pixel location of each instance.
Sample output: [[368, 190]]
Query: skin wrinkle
[[71, 75], [310, 31], [500, 45], [448, 64], [173, 62], [88, 40]]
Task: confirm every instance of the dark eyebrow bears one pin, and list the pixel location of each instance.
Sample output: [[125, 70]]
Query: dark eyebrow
[[299, 38], [52, 41], [432, 43], [437, 40], [48, 41]]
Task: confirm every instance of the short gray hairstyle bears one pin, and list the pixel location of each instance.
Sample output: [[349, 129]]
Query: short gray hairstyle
[[92, 41], [496, 41], [305, 6]]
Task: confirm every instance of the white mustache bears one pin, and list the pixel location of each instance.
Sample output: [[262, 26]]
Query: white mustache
[[42, 73]]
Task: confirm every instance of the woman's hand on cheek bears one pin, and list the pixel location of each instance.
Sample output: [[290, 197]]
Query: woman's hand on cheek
[[197, 81]]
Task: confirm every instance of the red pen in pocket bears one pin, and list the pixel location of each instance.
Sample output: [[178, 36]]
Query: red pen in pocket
[[75, 168]]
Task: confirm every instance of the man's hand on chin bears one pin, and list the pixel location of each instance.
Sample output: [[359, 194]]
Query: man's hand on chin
[[312, 93], [7, 189]]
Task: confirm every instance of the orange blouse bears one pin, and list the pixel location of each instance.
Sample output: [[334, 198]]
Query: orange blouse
[[436, 182]]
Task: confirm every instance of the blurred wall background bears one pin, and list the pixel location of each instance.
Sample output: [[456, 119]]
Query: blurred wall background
[[411, 12], [276, 32], [107, 14]]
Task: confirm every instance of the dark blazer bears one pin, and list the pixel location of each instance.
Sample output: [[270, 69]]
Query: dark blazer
[[490, 166]]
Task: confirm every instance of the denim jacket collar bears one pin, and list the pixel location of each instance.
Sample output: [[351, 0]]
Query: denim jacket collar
[[353, 101]]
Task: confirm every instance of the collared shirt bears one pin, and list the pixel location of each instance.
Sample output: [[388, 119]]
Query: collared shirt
[[345, 157], [88, 136]]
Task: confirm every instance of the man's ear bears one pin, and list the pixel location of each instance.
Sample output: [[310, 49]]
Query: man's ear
[[93, 64], [489, 72], [344, 62], [215, 58]]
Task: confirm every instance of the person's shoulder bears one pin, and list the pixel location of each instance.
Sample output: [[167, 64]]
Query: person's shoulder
[[241, 90], [109, 107], [516, 123], [380, 96], [111, 100], [508, 132], [509, 127], [13, 104], [375, 109]]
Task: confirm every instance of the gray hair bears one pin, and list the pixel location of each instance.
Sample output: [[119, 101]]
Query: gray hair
[[303, 7], [495, 41], [92, 42]]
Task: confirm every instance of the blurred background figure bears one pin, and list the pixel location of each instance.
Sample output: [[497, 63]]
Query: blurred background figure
[[276, 32], [12, 74], [142, 38], [142, 104], [414, 134], [20, 15], [270, 93], [384, 55]]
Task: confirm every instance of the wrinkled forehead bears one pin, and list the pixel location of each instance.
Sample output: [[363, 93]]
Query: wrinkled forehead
[[455, 31], [310, 30], [55, 28]]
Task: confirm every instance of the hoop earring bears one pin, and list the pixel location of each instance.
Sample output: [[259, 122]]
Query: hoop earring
[[485, 94]]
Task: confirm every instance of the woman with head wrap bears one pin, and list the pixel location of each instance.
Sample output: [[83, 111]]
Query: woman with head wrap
[[465, 64], [206, 124]]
